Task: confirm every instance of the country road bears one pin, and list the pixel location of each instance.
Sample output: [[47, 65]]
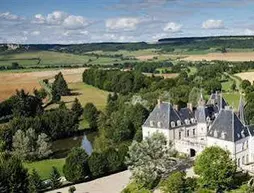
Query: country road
[[114, 183]]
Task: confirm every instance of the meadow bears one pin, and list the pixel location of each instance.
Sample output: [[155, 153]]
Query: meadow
[[50, 58]]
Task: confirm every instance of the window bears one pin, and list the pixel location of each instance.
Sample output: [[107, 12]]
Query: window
[[172, 124], [242, 146], [194, 132], [178, 123], [151, 123], [180, 135], [247, 159], [238, 162], [243, 159], [188, 133], [215, 133], [159, 124]]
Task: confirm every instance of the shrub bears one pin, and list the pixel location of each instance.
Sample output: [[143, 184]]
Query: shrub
[[76, 167]]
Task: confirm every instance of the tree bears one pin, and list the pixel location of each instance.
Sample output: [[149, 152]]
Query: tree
[[194, 96], [60, 86], [113, 160], [28, 145], [233, 86], [245, 84], [91, 115], [26, 105], [43, 146], [76, 167], [36, 183], [13, 176], [72, 189], [175, 183], [97, 164], [151, 159], [55, 178], [77, 108], [215, 168]]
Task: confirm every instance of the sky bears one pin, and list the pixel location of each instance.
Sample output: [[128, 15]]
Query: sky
[[85, 21]]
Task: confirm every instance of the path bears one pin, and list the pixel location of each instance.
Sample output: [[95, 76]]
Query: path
[[114, 183], [237, 81]]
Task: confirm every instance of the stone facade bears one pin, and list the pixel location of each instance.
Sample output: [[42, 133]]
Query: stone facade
[[210, 123]]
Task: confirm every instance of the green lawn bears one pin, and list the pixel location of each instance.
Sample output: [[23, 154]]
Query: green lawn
[[85, 94], [232, 99], [44, 167], [45, 58]]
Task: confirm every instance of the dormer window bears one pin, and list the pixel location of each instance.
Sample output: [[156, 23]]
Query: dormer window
[[223, 135], [151, 123], [193, 120], [187, 121], [215, 133], [159, 124], [172, 124], [178, 123], [208, 119], [242, 133]]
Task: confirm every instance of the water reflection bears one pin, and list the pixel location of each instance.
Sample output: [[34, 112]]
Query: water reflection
[[86, 144]]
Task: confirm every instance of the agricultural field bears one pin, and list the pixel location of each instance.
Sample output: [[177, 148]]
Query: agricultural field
[[50, 58], [10, 81], [230, 56], [246, 76]]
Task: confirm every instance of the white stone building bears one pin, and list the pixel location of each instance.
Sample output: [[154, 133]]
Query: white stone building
[[212, 123]]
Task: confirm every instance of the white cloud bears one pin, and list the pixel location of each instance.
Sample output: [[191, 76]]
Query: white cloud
[[61, 18], [213, 24], [56, 18], [38, 18], [9, 16], [248, 32], [172, 27], [126, 23], [35, 33], [75, 22]]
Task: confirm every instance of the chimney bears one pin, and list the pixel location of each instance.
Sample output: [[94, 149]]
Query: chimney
[[176, 107], [190, 106]]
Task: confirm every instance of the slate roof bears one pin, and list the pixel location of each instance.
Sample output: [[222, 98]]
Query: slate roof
[[227, 124], [165, 114], [217, 100], [185, 113], [201, 114]]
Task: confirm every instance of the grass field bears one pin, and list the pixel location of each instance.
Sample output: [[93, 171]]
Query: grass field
[[85, 94], [50, 58], [44, 167], [232, 99]]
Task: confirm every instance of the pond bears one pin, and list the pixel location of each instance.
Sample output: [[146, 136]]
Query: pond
[[87, 145], [62, 147]]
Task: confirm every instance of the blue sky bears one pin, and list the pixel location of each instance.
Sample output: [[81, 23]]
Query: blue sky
[[81, 21]]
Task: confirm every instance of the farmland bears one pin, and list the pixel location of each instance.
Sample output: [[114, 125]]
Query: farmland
[[50, 58], [230, 56], [10, 81], [246, 76]]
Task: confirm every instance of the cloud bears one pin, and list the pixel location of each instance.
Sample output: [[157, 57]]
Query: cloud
[[75, 22], [248, 32], [125, 23], [35, 33], [213, 24], [9, 16], [172, 27], [60, 18]]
